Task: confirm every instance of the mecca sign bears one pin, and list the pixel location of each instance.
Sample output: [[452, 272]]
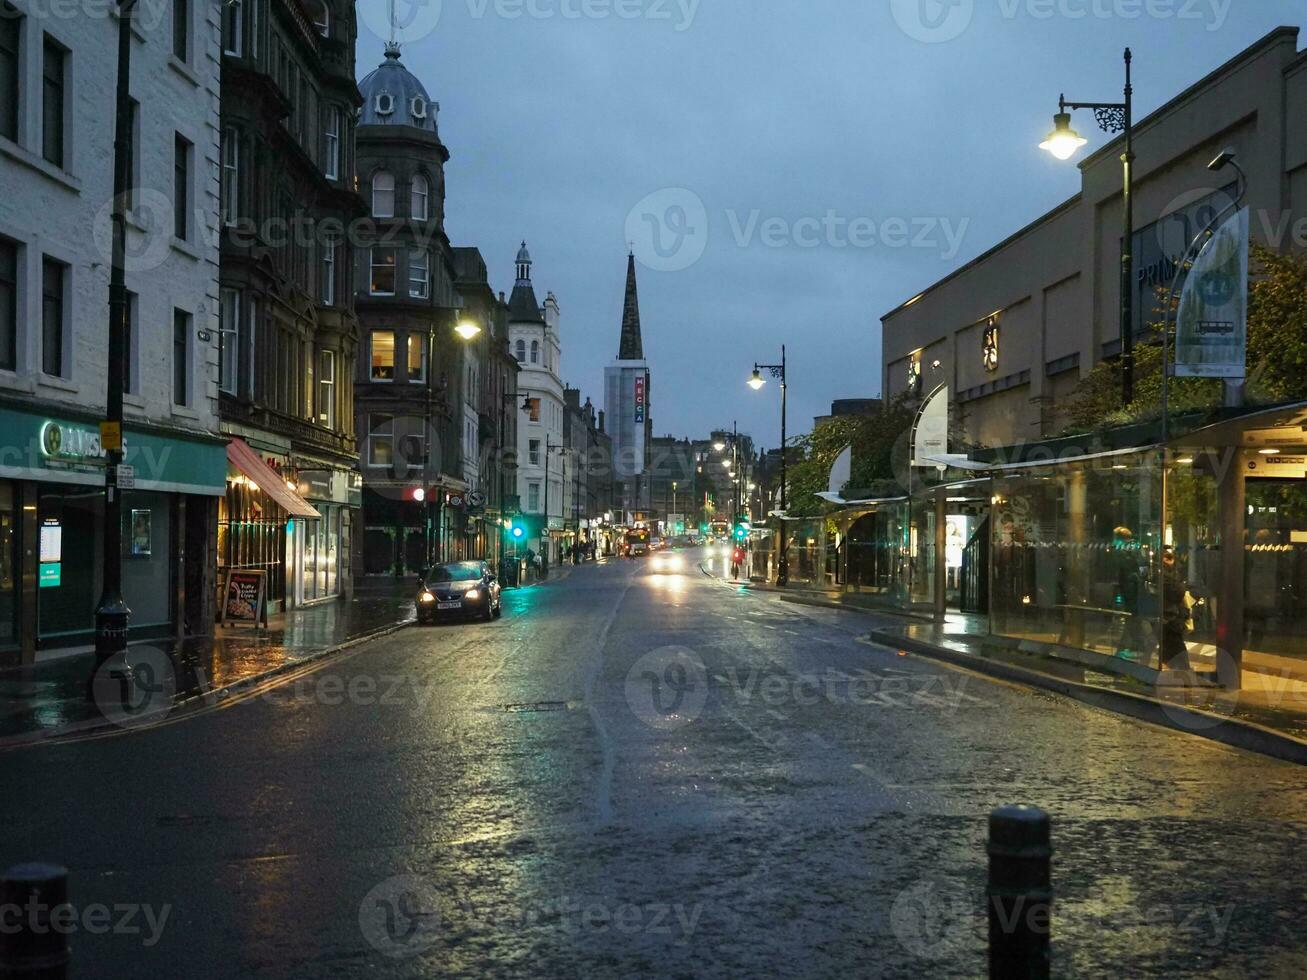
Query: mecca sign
[[639, 397]]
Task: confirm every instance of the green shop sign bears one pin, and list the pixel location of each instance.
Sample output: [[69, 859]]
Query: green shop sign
[[39, 447]]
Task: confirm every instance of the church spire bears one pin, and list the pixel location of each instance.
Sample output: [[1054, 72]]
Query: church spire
[[632, 347]]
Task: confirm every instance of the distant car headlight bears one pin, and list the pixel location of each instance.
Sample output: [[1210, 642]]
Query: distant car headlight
[[427, 597], [473, 594]]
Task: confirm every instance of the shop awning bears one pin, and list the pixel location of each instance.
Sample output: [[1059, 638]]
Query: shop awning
[[245, 459]]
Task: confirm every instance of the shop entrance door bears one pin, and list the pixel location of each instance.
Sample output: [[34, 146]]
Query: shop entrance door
[[1275, 573]]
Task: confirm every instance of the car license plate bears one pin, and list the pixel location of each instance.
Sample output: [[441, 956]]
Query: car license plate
[[449, 605]]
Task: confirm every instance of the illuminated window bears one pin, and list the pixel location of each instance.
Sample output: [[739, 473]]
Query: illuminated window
[[914, 375], [417, 357], [383, 355], [383, 272], [989, 350]]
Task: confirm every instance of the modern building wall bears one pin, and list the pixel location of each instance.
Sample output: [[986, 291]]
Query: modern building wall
[[1052, 289]]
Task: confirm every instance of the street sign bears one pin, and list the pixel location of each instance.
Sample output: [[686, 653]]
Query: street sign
[[126, 477], [50, 574], [476, 499], [111, 436], [454, 500]]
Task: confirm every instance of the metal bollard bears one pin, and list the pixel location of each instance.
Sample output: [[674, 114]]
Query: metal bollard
[[1020, 893], [30, 948]]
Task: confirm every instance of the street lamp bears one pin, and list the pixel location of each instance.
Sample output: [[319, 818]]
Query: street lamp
[[1063, 142], [756, 382], [467, 329], [111, 613]]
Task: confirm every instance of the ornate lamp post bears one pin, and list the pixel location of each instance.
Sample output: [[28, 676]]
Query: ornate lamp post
[[756, 382], [1063, 142]]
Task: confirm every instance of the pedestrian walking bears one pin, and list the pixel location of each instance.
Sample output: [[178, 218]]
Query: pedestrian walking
[[1175, 615]]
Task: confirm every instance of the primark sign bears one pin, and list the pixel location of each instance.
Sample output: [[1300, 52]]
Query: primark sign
[[1160, 246]]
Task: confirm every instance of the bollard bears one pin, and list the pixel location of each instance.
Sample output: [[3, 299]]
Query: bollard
[[1020, 893], [31, 895]]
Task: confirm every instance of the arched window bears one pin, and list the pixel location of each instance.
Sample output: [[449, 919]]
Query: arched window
[[535, 352], [383, 194], [420, 192], [322, 18], [521, 352]]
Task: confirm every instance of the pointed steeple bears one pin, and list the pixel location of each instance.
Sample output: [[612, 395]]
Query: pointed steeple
[[632, 346]]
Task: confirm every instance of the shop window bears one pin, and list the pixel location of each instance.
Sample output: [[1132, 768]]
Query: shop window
[[383, 355]]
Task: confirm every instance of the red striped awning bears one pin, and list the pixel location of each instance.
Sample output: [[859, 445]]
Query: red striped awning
[[245, 459]]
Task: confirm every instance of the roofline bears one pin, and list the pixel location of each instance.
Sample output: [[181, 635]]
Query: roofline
[[1107, 149], [1207, 80], [985, 256]]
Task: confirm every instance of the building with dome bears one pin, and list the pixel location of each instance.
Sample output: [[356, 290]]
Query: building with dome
[[288, 332], [429, 401]]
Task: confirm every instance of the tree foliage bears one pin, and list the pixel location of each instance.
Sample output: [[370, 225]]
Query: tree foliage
[[1277, 356], [877, 440]]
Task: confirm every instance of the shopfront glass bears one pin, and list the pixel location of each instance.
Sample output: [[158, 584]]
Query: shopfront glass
[[252, 535], [8, 567], [877, 547], [1275, 583], [921, 552], [1077, 555]]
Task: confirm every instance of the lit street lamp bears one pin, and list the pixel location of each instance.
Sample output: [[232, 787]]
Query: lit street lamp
[[756, 382], [1063, 142]]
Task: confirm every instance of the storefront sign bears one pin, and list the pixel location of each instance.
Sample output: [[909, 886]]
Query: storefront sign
[[1211, 334], [71, 443], [639, 397], [244, 598], [126, 477], [50, 574]]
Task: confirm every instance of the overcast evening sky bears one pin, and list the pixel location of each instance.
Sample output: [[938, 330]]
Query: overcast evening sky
[[562, 116]]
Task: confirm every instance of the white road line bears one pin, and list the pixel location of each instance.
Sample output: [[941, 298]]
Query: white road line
[[776, 714]]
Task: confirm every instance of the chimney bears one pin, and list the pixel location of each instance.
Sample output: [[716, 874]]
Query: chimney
[[601, 420]]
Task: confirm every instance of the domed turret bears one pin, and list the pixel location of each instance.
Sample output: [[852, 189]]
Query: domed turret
[[393, 96]]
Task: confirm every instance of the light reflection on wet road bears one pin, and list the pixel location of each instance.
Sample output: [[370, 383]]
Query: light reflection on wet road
[[645, 772]]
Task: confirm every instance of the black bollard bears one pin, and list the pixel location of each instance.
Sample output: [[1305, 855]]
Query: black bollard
[[30, 948], [1020, 893]]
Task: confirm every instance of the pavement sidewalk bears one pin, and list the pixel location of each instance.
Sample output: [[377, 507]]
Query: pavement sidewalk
[[49, 699], [1269, 715]]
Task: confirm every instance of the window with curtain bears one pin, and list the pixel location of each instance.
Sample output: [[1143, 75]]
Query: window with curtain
[[383, 355]]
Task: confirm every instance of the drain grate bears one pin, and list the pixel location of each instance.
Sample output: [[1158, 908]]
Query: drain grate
[[537, 706]]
